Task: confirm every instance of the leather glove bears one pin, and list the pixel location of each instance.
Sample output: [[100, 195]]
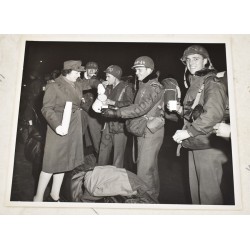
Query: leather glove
[[110, 102], [110, 113]]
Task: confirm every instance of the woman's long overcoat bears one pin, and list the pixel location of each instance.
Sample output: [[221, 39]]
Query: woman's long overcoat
[[62, 153]]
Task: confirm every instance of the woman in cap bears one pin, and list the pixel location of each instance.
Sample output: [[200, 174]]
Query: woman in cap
[[63, 150]]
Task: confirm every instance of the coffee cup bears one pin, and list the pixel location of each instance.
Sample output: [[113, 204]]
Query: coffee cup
[[172, 105]]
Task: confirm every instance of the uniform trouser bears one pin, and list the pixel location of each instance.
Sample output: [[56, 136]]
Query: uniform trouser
[[147, 164], [108, 141], [205, 174], [93, 136]]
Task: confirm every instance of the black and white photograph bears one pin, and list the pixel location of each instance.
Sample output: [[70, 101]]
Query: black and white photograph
[[124, 108], [134, 123]]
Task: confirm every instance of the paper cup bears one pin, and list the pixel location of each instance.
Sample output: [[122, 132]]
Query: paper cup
[[172, 105], [97, 106]]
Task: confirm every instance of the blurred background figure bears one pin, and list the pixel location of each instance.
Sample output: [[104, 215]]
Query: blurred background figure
[[91, 121], [47, 77], [32, 125], [34, 91], [54, 74]]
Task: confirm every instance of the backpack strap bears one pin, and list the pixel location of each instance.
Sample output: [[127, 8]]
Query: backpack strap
[[122, 93], [157, 104], [198, 96]]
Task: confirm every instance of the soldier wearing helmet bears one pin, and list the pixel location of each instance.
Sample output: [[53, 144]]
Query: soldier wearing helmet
[[146, 106], [113, 135], [92, 122], [91, 69], [190, 52], [195, 49], [205, 162]]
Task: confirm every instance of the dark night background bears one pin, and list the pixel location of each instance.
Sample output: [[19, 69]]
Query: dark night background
[[166, 56]]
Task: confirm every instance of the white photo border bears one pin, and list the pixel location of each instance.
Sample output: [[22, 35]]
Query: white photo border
[[197, 39]]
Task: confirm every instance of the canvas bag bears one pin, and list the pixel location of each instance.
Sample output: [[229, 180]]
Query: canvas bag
[[137, 126], [108, 181]]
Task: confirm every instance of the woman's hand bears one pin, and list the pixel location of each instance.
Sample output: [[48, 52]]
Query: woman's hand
[[60, 130]]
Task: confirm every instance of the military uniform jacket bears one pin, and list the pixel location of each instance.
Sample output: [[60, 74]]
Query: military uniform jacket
[[89, 90], [213, 99], [123, 96], [148, 96]]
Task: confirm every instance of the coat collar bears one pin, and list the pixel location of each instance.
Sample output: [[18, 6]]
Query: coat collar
[[151, 76], [65, 86], [205, 71]]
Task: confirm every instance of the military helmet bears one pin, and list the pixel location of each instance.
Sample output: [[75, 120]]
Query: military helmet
[[114, 70], [91, 65], [144, 61], [195, 49]]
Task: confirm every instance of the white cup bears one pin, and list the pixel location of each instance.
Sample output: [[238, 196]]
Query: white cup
[[102, 97], [172, 105], [99, 102], [97, 106]]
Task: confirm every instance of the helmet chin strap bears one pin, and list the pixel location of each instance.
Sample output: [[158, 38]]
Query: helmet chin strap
[[86, 75], [185, 79], [210, 64]]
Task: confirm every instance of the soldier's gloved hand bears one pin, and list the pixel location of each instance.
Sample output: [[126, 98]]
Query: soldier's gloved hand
[[110, 113], [110, 102]]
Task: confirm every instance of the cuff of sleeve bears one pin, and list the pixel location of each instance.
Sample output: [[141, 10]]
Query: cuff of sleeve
[[116, 104], [54, 125], [192, 131], [118, 112]]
